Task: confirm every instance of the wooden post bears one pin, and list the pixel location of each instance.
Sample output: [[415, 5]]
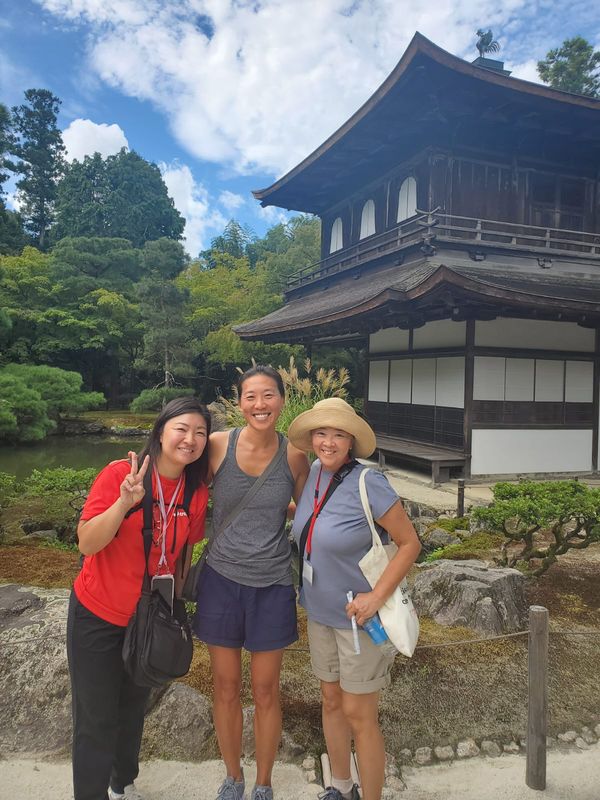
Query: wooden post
[[460, 498], [538, 698]]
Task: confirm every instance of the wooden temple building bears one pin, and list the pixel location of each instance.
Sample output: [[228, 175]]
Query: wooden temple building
[[460, 213]]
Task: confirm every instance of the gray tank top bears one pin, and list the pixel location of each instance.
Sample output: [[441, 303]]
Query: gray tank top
[[254, 549]]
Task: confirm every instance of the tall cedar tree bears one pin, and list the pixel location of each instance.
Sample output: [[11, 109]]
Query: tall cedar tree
[[12, 237], [573, 67], [40, 151], [122, 196]]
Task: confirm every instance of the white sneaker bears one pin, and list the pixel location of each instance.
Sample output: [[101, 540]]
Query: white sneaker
[[129, 793]]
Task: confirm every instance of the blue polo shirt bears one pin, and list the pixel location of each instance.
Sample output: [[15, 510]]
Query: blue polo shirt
[[341, 537]]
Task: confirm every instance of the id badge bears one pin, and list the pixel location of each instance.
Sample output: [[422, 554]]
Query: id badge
[[165, 586], [307, 572]]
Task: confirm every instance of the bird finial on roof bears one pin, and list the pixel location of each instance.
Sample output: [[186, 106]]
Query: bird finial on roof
[[486, 43]]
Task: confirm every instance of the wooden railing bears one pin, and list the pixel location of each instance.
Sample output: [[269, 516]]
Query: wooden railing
[[430, 227]]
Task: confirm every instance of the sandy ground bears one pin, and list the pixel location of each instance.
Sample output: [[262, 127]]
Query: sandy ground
[[571, 775]]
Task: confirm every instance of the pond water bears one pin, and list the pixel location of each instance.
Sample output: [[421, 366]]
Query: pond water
[[66, 451]]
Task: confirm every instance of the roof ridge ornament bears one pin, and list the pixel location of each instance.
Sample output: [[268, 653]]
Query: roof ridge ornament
[[486, 42]]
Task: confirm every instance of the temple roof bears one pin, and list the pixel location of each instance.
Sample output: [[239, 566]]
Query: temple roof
[[428, 283], [426, 100]]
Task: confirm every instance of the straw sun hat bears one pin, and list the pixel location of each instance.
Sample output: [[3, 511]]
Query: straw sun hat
[[333, 412]]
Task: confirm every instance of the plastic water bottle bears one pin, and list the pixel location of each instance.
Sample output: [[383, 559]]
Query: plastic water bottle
[[378, 636]]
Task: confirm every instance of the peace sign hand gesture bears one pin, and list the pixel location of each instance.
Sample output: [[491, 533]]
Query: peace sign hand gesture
[[132, 489]]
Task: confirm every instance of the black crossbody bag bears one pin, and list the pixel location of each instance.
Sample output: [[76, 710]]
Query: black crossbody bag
[[158, 643]]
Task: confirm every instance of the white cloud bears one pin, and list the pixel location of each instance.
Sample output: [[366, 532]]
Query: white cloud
[[258, 85], [192, 201], [84, 138], [272, 215], [230, 200], [526, 71]]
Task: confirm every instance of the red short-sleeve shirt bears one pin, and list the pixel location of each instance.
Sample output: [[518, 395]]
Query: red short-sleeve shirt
[[110, 582]]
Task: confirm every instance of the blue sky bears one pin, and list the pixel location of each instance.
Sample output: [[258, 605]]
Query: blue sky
[[227, 95]]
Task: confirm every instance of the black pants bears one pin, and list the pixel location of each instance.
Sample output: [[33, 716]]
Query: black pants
[[108, 708]]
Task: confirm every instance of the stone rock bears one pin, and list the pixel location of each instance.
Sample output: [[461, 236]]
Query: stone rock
[[391, 768], [462, 534], [490, 748], [511, 747], [422, 524], [444, 752], [581, 744], [441, 538], [395, 784], [423, 755], [44, 536], [405, 755], [248, 732], [79, 427], [289, 750], [469, 593], [588, 736], [311, 776], [35, 713], [119, 430], [178, 726], [309, 763], [568, 737], [467, 748], [597, 730]]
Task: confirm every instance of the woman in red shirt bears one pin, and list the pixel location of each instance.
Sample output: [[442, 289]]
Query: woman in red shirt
[[108, 708]]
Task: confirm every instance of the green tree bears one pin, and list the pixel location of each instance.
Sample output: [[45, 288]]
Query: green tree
[[7, 142], [61, 390], [572, 67], [40, 154], [122, 196], [12, 235], [166, 356], [237, 240], [23, 414]]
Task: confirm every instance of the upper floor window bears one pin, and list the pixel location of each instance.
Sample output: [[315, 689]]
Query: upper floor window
[[337, 236], [407, 199], [367, 219]]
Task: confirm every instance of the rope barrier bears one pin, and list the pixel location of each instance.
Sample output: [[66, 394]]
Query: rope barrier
[[437, 646]]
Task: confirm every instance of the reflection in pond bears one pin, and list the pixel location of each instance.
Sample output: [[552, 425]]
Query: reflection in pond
[[66, 451]]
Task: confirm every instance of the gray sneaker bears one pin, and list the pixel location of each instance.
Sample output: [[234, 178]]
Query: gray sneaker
[[262, 793], [231, 789], [128, 793], [331, 793]]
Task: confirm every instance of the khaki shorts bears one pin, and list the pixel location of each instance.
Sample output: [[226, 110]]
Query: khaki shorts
[[333, 659]]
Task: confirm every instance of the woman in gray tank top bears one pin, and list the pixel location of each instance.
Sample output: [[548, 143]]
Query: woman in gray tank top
[[245, 594]]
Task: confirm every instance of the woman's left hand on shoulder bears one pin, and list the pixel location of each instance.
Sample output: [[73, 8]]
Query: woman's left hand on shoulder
[[364, 606]]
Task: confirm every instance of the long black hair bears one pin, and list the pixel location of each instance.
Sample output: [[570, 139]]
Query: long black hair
[[196, 472], [262, 369]]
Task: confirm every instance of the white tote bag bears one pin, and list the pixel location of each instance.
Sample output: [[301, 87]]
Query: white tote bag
[[398, 615]]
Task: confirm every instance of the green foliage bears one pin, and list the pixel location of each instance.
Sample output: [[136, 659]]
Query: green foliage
[[60, 390], [542, 520], [12, 235], [23, 413], [480, 545], [120, 196], [454, 524], [40, 153], [58, 479], [8, 488], [301, 393], [155, 399], [572, 67]]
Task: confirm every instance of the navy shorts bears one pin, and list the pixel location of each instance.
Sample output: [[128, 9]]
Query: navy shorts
[[230, 614]]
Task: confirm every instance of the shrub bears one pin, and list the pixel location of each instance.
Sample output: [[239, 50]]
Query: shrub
[[59, 479], [60, 389], [542, 520], [301, 393], [155, 399], [451, 525], [8, 488], [477, 546]]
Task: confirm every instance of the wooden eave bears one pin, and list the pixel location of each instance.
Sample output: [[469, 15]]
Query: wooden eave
[[471, 289], [345, 144]]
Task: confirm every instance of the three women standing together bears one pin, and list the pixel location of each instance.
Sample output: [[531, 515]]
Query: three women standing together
[[246, 597]]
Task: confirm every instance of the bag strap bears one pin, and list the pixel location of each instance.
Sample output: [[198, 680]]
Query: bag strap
[[364, 499], [147, 506], [336, 480], [245, 500]]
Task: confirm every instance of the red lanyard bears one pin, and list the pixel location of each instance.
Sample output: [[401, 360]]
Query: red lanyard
[[317, 506]]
